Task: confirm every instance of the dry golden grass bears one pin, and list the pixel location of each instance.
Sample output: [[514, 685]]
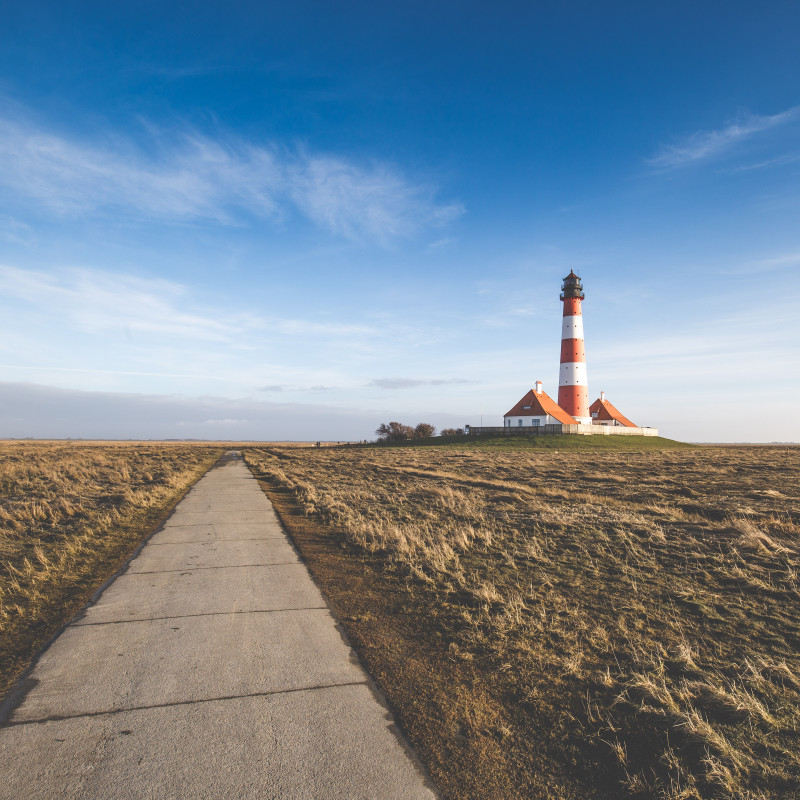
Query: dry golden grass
[[642, 607], [70, 513]]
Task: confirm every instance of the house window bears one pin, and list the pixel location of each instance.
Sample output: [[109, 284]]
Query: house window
[[536, 422], [519, 422]]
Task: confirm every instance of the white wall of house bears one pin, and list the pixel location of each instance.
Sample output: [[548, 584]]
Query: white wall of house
[[605, 422], [528, 421]]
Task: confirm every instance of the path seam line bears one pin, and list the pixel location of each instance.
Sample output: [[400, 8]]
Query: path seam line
[[110, 712], [189, 616], [221, 524], [219, 541], [227, 566]]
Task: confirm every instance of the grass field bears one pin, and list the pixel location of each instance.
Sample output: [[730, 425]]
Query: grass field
[[70, 513], [583, 623]]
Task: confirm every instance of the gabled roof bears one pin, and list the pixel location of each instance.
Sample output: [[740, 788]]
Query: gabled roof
[[538, 404], [606, 411]]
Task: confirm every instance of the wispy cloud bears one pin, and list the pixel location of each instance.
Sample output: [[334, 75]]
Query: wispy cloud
[[225, 423], [735, 350], [195, 178], [778, 161], [296, 389], [304, 327], [14, 230], [412, 383], [96, 301], [53, 368], [784, 261], [704, 145], [352, 201], [186, 177], [441, 244], [778, 262]]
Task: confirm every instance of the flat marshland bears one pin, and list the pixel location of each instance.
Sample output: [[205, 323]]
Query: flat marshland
[[567, 624], [70, 513]]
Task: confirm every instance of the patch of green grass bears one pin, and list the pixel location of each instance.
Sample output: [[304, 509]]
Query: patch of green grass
[[546, 442]]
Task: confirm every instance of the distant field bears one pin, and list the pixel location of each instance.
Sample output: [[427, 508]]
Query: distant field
[[571, 624], [70, 513]]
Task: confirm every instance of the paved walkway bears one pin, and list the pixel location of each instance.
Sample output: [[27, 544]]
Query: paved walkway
[[211, 668]]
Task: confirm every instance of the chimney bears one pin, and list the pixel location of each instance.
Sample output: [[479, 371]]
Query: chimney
[[602, 397], [538, 387]]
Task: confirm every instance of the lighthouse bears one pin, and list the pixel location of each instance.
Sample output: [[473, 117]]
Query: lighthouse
[[537, 413], [573, 390]]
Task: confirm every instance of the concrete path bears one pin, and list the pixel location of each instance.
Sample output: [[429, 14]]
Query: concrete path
[[211, 668]]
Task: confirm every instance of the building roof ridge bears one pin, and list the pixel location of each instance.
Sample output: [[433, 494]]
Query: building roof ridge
[[539, 404]]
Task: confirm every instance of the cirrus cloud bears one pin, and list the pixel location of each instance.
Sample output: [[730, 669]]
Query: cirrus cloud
[[413, 383], [704, 145], [187, 177]]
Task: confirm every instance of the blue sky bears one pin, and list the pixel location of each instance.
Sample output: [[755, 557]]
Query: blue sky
[[299, 220]]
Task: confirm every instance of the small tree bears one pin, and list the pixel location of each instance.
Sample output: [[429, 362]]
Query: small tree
[[452, 432], [394, 432], [424, 431]]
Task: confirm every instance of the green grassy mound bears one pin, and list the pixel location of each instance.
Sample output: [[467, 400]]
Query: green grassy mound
[[546, 442]]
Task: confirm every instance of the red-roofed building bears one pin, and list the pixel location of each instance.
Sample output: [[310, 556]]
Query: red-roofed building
[[535, 409], [603, 413]]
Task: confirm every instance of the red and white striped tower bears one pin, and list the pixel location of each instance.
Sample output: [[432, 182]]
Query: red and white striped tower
[[573, 390]]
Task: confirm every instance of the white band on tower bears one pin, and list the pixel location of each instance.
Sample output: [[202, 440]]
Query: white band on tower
[[573, 373], [572, 327]]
